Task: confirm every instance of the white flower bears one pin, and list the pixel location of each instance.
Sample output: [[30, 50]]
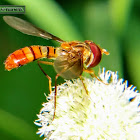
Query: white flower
[[109, 111]]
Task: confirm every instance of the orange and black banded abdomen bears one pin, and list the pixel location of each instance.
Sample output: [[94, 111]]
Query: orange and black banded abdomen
[[28, 54]]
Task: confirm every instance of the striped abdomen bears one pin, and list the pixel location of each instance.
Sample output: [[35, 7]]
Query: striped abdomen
[[28, 54]]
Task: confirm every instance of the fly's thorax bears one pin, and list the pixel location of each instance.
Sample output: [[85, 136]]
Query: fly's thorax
[[61, 52], [87, 56], [75, 50], [71, 54]]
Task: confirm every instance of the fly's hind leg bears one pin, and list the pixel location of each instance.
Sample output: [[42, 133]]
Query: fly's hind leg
[[50, 81], [49, 78]]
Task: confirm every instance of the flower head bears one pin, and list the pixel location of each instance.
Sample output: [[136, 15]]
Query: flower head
[[110, 111]]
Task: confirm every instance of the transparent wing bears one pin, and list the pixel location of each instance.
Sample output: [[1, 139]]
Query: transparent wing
[[28, 28], [68, 68]]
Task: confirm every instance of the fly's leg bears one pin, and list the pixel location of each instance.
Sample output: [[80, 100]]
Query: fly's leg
[[50, 81], [83, 84], [49, 78], [55, 95], [92, 73]]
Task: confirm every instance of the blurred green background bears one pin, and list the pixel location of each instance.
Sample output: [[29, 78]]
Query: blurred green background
[[113, 24]]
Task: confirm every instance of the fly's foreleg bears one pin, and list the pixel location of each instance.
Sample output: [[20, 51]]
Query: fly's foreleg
[[92, 73]]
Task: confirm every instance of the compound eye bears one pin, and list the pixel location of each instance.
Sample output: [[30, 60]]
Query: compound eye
[[96, 51]]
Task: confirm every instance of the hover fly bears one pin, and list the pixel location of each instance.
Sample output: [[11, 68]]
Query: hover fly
[[70, 59]]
